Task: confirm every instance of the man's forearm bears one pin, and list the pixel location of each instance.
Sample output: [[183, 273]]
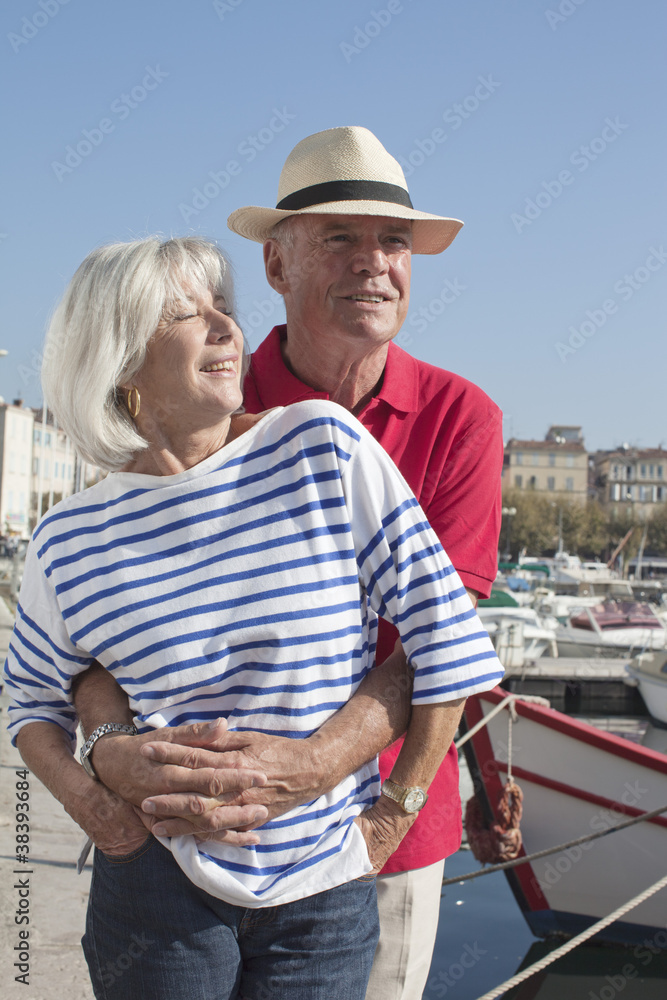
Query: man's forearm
[[429, 737], [98, 698], [112, 824], [298, 770], [375, 716]]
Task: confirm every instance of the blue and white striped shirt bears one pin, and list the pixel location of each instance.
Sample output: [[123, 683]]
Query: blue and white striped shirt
[[249, 587]]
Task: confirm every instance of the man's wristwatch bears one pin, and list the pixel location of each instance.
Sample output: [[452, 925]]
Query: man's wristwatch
[[411, 800], [86, 749]]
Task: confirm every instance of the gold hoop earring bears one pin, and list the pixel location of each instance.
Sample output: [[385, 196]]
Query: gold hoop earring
[[133, 402]]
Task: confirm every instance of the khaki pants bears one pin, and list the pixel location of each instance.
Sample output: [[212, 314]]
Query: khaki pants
[[409, 904]]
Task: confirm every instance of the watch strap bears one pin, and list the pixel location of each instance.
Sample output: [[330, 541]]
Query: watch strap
[[103, 730], [400, 793]]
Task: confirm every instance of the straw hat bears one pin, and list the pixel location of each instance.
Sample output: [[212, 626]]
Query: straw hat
[[344, 171]]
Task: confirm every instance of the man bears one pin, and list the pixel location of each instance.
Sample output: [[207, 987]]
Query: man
[[338, 248]]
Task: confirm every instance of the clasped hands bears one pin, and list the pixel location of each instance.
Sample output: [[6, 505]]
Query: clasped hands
[[205, 780], [221, 785]]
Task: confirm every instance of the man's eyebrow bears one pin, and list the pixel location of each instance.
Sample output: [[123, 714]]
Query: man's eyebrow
[[400, 226]]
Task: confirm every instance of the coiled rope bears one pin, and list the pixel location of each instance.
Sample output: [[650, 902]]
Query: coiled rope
[[554, 850]]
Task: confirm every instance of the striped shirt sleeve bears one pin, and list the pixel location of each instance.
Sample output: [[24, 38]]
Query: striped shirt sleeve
[[42, 661], [410, 580]]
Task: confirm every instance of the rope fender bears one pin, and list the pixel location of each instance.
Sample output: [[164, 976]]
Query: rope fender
[[502, 840]]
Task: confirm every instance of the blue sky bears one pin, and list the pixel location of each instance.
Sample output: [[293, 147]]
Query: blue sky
[[540, 124]]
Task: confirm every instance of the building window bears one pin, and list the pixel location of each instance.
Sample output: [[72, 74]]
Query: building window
[[38, 437], [532, 483], [659, 472], [518, 482], [569, 484], [628, 472], [55, 470], [35, 466], [642, 471], [651, 471], [660, 493], [569, 461], [519, 458], [552, 458], [551, 482], [536, 458]]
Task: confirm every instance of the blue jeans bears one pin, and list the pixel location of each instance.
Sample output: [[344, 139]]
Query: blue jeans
[[153, 935]]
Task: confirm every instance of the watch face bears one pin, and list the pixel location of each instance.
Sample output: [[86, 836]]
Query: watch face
[[414, 800]]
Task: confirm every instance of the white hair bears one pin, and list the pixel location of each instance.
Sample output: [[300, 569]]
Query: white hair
[[283, 231], [97, 338]]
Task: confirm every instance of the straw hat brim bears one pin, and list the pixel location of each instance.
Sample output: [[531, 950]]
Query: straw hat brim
[[430, 233]]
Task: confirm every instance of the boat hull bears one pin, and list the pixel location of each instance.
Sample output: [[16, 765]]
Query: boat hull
[[654, 692], [578, 642], [576, 781]]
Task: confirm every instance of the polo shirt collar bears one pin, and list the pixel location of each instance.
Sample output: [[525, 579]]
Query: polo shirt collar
[[279, 387]]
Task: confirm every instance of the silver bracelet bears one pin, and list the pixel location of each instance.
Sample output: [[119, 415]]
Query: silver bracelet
[[86, 749]]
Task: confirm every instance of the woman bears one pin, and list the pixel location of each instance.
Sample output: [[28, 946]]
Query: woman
[[230, 565]]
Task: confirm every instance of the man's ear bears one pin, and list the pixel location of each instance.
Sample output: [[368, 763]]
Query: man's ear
[[274, 265]]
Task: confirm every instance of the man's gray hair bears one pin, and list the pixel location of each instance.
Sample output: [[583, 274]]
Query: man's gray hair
[[283, 231], [97, 339]]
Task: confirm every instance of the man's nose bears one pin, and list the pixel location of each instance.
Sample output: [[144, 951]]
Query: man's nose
[[371, 259]]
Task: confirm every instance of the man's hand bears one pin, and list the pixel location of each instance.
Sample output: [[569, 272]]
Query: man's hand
[[194, 764], [383, 825], [292, 769], [114, 826], [213, 796]]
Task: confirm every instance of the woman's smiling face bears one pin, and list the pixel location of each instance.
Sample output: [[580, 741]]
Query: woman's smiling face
[[191, 375]]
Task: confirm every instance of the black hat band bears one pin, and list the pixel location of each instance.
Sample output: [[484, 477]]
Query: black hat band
[[320, 194]]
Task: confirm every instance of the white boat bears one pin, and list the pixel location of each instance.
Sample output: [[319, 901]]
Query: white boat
[[611, 628], [586, 595], [519, 634], [575, 780], [649, 670]]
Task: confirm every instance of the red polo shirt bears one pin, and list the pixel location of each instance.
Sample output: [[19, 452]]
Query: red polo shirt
[[445, 436]]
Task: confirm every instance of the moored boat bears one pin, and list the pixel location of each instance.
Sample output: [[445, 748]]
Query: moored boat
[[611, 628], [649, 670], [575, 781]]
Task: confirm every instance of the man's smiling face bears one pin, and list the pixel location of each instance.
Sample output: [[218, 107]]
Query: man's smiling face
[[347, 276]]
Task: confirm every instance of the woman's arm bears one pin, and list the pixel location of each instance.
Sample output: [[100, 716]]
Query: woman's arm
[[432, 729]]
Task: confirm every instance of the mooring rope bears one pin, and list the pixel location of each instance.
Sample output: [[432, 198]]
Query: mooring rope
[[575, 941]]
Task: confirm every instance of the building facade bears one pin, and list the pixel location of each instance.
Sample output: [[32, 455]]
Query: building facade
[[631, 478], [16, 426], [556, 466], [38, 467]]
